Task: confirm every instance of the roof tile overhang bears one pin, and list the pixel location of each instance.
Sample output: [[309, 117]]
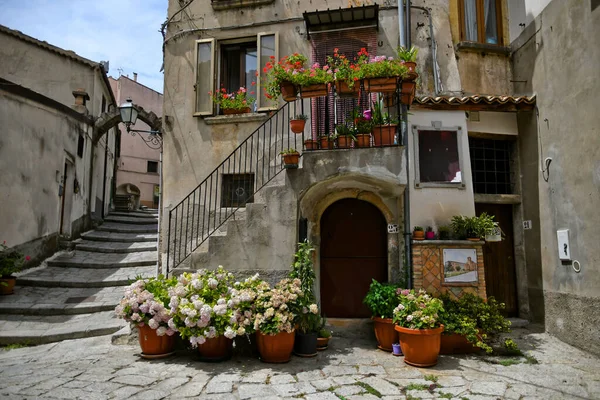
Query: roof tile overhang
[[476, 103], [341, 19]]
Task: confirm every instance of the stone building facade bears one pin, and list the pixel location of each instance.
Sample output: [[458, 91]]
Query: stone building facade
[[468, 112], [55, 177]]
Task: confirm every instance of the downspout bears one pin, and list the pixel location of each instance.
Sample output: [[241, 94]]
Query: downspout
[[401, 29], [158, 262], [104, 174]]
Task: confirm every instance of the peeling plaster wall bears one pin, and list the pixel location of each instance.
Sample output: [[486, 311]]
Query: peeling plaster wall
[[566, 131]]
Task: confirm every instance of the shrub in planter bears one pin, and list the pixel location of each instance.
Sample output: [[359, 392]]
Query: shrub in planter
[[417, 321], [444, 232], [381, 300], [473, 227], [11, 261], [145, 305]]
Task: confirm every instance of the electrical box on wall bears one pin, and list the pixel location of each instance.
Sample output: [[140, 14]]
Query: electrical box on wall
[[564, 247]]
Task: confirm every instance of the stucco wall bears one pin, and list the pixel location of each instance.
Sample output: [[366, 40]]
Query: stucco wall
[[568, 133], [436, 206]]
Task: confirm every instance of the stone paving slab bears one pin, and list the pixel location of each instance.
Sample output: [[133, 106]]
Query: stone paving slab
[[127, 228], [114, 247], [138, 214], [82, 277], [47, 329], [120, 237], [90, 259], [32, 300], [131, 220], [93, 368]]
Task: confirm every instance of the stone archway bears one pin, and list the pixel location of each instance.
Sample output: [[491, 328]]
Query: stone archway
[[112, 118]]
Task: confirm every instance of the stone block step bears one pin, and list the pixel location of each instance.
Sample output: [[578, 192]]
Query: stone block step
[[28, 329], [114, 247], [88, 259], [32, 300], [120, 237], [134, 214], [82, 277], [127, 228], [131, 220]]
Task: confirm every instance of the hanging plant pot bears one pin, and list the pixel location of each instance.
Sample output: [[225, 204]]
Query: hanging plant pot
[[310, 144], [309, 91], [7, 285], [325, 143], [290, 160], [381, 85], [383, 135], [385, 333], [275, 348], [412, 70], [232, 111], [216, 349], [344, 90], [297, 125], [344, 142], [363, 140], [421, 347], [289, 92], [154, 346], [305, 344], [407, 94]]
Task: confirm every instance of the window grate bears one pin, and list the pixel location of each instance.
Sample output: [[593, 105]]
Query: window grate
[[491, 162], [237, 190]]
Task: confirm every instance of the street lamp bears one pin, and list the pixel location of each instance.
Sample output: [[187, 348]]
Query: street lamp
[[129, 116]]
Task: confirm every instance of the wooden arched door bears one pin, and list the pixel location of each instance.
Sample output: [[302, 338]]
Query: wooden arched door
[[353, 252]]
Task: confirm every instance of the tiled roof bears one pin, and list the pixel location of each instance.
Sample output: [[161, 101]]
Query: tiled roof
[[476, 100]]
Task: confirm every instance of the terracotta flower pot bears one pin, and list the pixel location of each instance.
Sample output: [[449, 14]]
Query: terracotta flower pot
[[322, 343], [216, 349], [297, 125], [344, 142], [418, 235], [383, 135], [291, 160], [325, 143], [412, 70], [154, 346], [343, 90], [421, 347], [305, 344], [385, 333], [407, 93], [275, 348], [363, 140], [381, 85], [232, 111], [289, 92], [309, 91], [7, 285], [457, 344], [310, 144]]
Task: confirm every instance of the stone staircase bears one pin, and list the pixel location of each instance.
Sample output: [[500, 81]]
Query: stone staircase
[[73, 294]]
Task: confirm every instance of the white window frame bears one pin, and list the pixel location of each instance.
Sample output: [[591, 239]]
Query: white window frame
[[459, 139], [269, 106], [211, 86]]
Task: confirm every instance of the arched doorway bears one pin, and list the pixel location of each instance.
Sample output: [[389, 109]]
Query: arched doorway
[[353, 252]]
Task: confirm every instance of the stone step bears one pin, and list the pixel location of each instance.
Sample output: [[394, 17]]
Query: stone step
[[88, 259], [32, 300], [351, 327], [131, 220], [114, 247], [29, 329], [134, 214], [120, 237], [127, 228], [82, 277]]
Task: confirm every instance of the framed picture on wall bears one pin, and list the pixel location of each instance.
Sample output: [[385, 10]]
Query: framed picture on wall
[[460, 266]]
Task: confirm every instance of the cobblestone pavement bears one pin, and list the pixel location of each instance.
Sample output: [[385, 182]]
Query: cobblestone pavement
[[93, 368]]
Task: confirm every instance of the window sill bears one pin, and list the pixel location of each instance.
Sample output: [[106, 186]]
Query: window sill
[[445, 185], [231, 4], [236, 119], [483, 48]]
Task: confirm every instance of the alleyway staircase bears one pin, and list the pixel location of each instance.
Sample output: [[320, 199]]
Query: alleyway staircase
[[73, 294]]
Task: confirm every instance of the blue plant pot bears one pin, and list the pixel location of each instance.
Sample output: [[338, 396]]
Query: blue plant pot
[[396, 349]]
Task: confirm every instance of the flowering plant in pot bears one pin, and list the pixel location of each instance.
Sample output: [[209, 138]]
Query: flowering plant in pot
[[276, 311], [381, 299], [11, 261], [313, 81], [205, 312], [417, 322], [298, 122], [290, 158], [409, 58], [378, 73], [383, 126], [340, 65], [145, 305], [233, 103], [278, 76]]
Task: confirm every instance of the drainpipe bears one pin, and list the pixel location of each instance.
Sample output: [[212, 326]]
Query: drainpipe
[[401, 24], [104, 175], [158, 250]]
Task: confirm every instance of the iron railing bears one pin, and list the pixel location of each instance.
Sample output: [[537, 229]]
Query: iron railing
[[257, 161]]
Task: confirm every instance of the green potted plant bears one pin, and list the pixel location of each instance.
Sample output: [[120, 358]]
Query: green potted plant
[[298, 122], [381, 299], [418, 233], [324, 335], [383, 126], [278, 77], [419, 328], [408, 57], [290, 158], [146, 305], [233, 103], [362, 128], [11, 261], [469, 322], [444, 232], [379, 73], [313, 81], [344, 84], [473, 228], [345, 136]]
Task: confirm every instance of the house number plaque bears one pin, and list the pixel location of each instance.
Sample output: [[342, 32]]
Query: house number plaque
[[392, 228]]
